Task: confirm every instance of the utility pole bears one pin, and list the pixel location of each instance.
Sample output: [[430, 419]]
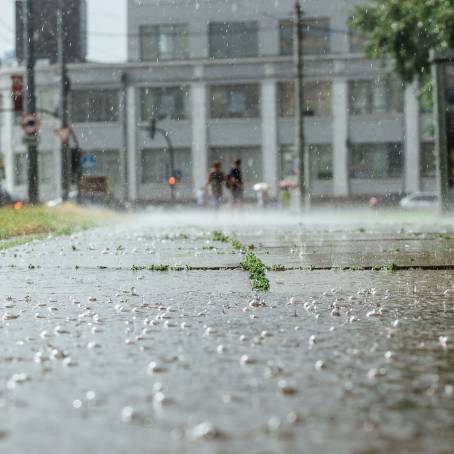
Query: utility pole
[[300, 149], [30, 101], [64, 90]]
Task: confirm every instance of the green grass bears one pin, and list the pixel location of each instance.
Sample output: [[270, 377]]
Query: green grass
[[446, 236], [21, 226], [7, 244], [161, 267], [385, 267], [278, 267]]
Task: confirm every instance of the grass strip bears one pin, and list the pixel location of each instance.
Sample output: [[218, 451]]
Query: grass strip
[[8, 244], [29, 222], [161, 268]]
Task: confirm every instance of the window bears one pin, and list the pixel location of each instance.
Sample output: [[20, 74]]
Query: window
[[376, 160], [287, 162], [46, 168], [376, 96], [428, 159], [164, 42], [251, 161], [317, 98], [94, 106], [321, 161], [316, 36], [164, 102], [233, 39], [156, 165], [235, 101]]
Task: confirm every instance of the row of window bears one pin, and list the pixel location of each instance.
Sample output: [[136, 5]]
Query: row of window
[[238, 101], [368, 161], [236, 39]]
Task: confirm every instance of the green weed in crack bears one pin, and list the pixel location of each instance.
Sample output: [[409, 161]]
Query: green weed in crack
[[257, 272]]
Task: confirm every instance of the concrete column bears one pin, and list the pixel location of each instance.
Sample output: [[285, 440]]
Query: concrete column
[[58, 166], [340, 137], [199, 106], [132, 152], [412, 139], [269, 134], [6, 141]]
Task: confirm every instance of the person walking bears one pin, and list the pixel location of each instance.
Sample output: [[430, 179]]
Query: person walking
[[235, 182], [215, 182]]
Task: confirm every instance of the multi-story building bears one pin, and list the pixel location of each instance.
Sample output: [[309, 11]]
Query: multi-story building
[[74, 17], [219, 75]]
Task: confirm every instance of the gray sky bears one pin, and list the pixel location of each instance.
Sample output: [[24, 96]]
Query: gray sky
[[104, 16]]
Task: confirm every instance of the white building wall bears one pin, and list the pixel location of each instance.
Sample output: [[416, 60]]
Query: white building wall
[[133, 168], [270, 134], [412, 139], [340, 137]]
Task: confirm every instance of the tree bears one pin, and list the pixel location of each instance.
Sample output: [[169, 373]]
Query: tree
[[405, 31]]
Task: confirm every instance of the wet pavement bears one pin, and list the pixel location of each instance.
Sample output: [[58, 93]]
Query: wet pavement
[[99, 358]]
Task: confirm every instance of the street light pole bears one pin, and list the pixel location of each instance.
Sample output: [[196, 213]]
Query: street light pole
[[30, 101], [300, 149], [64, 89], [152, 130]]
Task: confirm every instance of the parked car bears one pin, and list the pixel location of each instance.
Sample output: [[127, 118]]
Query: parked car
[[420, 200]]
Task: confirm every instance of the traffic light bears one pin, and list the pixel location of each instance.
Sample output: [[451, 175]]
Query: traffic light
[[172, 181], [152, 128], [17, 92]]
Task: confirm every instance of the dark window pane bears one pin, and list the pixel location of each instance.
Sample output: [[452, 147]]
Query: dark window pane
[[376, 160], [428, 159], [94, 106], [321, 161], [235, 101], [317, 98], [164, 42], [164, 102], [233, 39], [376, 96], [316, 36]]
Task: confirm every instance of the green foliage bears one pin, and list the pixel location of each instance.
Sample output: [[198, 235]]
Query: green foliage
[[406, 31], [386, 267], [257, 272], [161, 267], [236, 244], [446, 236], [220, 236], [279, 267]]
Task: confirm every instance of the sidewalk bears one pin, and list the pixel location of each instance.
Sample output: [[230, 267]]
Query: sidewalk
[[100, 358]]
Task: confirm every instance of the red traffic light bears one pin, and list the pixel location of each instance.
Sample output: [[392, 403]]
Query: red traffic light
[[172, 181]]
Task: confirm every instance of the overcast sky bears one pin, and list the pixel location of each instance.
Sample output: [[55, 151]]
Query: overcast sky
[[104, 16]]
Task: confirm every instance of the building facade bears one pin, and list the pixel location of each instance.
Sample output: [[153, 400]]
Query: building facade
[[74, 16], [219, 77]]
